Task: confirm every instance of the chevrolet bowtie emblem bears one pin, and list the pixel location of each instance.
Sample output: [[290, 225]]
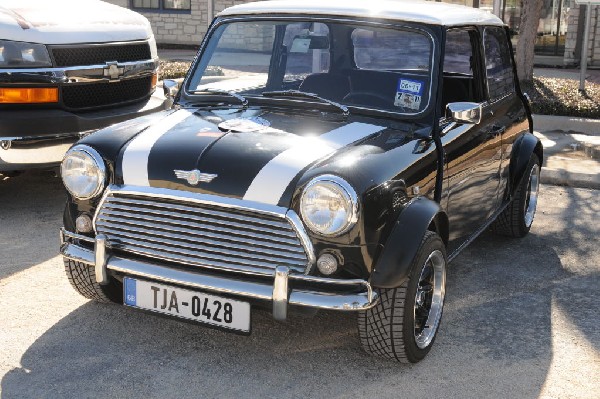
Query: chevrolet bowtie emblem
[[113, 71], [194, 177]]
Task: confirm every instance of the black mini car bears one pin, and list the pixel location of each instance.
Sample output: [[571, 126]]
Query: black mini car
[[315, 157]]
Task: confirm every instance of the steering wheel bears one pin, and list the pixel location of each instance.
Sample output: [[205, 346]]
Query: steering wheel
[[374, 99], [367, 98]]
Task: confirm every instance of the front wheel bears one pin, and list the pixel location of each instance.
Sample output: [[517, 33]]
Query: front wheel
[[83, 279], [404, 323]]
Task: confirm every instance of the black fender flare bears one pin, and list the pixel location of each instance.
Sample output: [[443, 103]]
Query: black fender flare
[[523, 147], [393, 265]]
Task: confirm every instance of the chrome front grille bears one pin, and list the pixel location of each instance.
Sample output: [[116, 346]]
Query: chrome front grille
[[200, 234]]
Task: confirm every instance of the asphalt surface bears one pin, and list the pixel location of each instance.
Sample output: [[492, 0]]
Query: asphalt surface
[[521, 320]]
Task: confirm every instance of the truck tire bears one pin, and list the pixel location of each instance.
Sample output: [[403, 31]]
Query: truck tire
[[517, 218], [83, 278], [403, 325]]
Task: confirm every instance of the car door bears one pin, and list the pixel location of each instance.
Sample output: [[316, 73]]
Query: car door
[[473, 151], [509, 116]]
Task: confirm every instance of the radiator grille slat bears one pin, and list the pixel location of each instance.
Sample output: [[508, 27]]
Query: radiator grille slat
[[210, 238], [199, 235]]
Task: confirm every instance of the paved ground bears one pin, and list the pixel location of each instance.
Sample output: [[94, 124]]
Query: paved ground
[[521, 321]]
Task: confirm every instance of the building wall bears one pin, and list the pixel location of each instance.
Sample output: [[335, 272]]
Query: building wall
[[575, 41], [189, 28], [181, 27]]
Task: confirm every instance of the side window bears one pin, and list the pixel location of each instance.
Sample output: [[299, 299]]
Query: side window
[[500, 78], [459, 82], [458, 58]]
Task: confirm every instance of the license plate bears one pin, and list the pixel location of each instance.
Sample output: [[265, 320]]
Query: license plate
[[187, 304]]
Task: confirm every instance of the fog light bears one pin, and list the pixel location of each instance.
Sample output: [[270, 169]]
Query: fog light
[[327, 264], [83, 224]]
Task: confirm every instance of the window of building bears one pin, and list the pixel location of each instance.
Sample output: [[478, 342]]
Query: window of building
[[500, 77], [167, 5]]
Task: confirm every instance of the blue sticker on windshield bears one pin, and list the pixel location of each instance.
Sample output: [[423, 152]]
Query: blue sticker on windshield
[[409, 94], [410, 86]]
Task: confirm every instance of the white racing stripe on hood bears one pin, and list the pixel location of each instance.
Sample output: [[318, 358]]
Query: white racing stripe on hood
[[135, 157], [272, 180]]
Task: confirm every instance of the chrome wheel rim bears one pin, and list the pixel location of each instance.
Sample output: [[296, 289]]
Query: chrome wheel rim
[[533, 187], [429, 299]]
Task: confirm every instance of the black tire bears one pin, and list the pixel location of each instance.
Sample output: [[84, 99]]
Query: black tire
[[388, 329], [513, 222], [83, 278]]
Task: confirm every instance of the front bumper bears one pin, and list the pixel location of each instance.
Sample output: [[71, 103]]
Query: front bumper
[[283, 290], [39, 138]]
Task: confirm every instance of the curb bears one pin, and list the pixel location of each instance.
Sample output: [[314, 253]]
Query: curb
[[545, 123], [561, 177]]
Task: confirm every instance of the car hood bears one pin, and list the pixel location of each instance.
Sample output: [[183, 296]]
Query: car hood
[[258, 156], [70, 21]]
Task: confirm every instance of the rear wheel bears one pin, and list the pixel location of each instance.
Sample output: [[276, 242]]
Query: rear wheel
[[83, 278], [517, 218], [404, 323]]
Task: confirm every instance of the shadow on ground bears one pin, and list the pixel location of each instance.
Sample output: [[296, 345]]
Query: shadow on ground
[[31, 207], [495, 339]]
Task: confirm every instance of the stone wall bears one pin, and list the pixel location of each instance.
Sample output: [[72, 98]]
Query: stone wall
[[182, 27], [573, 43]]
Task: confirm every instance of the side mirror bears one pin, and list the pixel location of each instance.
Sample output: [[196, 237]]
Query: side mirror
[[170, 88], [464, 112]]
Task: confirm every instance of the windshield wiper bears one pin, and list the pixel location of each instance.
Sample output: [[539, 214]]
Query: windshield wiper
[[241, 99], [303, 94]]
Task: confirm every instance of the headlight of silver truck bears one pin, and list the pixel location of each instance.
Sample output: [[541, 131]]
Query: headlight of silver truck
[[83, 172], [23, 55], [329, 205]]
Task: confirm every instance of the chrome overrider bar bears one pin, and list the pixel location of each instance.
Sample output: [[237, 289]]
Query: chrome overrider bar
[[280, 292]]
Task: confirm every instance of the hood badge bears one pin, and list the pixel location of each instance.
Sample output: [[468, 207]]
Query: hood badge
[[249, 125], [194, 176]]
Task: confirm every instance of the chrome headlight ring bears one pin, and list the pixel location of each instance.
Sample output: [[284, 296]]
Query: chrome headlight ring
[[329, 205], [83, 172]]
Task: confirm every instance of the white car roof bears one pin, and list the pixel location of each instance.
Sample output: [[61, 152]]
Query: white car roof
[[428, 12]]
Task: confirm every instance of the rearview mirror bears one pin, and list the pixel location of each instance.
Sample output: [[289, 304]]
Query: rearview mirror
[[302, 44], [464, 112]]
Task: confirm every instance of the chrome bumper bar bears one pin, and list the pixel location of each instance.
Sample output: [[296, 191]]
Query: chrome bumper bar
[[280, 292]]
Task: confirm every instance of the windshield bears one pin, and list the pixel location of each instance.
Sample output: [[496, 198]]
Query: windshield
[[359, 66]]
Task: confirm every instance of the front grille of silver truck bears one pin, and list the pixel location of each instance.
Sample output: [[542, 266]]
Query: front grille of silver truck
[[98, 54], [83, 96], [199, 235]]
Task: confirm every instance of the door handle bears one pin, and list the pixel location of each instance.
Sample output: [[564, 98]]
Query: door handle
[[496, 130]]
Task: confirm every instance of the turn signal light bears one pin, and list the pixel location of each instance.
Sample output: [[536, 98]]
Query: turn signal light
[[154, 80], [22, 95]]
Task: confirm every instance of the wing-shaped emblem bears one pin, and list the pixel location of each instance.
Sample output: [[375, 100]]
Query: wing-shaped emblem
[[194, 176]]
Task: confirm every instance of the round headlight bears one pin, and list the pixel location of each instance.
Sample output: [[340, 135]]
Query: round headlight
[[83, 172], [329, 205]]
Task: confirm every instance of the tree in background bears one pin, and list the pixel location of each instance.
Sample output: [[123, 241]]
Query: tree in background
[[530, 18]]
